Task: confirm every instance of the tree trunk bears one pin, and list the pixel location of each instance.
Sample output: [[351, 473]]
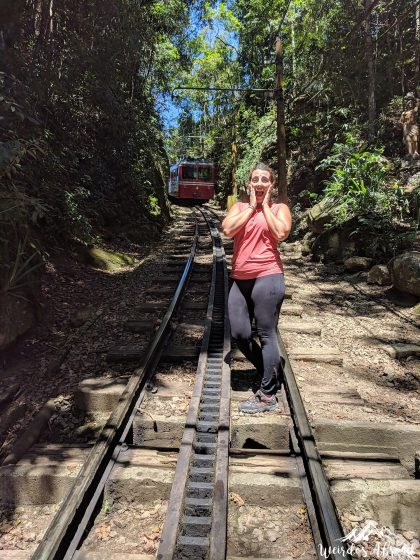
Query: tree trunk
[[50, 17], [281, 129], [370, 54], [43, 19], [390, 69], [234, 153], [401, 49], [37, 17], [417, 46], [293, 59]]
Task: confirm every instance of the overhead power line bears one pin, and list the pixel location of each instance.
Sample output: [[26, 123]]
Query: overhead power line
[[260, 90]]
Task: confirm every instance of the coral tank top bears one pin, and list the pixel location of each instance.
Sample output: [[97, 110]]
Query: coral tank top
[[255, 251]]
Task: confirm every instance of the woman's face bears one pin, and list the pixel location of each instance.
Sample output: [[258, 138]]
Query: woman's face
[[261, 182]]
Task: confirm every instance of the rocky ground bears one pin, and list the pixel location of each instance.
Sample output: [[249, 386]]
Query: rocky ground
[[83, 308], [362, 321], [82, 317]]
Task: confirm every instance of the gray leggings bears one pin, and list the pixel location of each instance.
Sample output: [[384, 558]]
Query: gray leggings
[[260, 298]]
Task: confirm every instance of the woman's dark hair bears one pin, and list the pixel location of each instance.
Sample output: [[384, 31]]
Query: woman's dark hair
[[263, 167]]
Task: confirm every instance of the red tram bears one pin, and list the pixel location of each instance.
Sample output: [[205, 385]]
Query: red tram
[[192, 179]]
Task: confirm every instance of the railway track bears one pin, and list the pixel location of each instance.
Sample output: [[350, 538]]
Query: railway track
[[177, 471]]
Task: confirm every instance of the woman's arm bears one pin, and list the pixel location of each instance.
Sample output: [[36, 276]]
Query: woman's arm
[[236, 219], [280, 223]]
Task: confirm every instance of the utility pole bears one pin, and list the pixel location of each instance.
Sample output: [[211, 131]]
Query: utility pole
[[370, 53], [234, 183], [281, 129], [417, 47]]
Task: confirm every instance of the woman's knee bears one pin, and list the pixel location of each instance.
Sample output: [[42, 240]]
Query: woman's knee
[[268, 335], [240, 333]]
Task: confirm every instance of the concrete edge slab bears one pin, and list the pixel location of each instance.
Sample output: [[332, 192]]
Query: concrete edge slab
[[392, 503], [366, 435]]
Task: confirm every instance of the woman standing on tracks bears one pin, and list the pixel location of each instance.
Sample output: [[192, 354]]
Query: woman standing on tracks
[[258, 282]]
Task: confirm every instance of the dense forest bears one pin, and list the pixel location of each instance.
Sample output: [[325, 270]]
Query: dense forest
[[89, 93]]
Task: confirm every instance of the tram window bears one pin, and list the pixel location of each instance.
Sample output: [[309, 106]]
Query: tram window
[[204, 173], [188, 172]]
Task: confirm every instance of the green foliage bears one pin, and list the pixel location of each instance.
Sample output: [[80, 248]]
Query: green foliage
[[260, 135], [362, 186], [19, 257], [81, 147], [75, 203], [154, 207], [326, 93], [16, 273], [82, 150], [206, 121], [106, 506]]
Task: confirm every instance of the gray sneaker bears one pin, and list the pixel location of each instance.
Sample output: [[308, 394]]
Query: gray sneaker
[[259, 403]]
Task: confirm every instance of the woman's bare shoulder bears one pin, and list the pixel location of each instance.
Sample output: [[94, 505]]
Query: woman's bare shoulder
[[237, 207], [276, 206]]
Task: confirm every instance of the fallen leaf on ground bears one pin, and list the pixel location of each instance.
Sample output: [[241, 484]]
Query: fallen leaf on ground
[[152, 537], [102, 531], [236, 498]]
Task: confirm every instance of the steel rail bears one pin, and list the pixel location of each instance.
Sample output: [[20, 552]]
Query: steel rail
[[196, 520], [218, 535], [67, 528], [328, 522], [307, 494]]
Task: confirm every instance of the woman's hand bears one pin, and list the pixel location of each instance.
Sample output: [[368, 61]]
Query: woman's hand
[[267, 197], [252, 197], [279, 223]]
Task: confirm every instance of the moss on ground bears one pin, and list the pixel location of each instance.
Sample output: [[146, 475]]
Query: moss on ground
[[109, 260]]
